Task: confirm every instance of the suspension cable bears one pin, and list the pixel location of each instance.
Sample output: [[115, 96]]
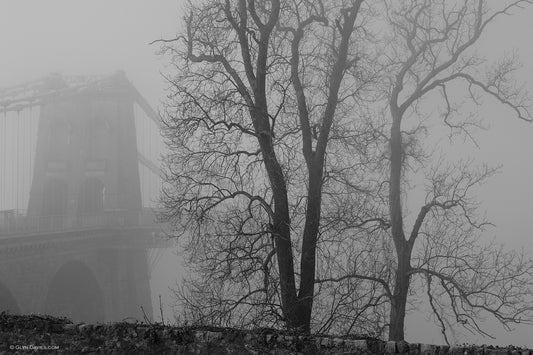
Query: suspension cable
[[4, 164]]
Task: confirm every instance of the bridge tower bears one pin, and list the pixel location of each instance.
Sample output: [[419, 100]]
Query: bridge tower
[[82, 249], [86, 156]]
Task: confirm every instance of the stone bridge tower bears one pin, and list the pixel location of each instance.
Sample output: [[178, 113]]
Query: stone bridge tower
[[82, 249], [86, 157]]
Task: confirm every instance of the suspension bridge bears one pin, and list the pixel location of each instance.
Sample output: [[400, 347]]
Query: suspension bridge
[[79, 180]]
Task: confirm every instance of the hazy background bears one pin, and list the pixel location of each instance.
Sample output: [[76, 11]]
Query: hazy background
[[75, 37]]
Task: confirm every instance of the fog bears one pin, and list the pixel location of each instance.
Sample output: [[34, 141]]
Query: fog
[[99, 37]]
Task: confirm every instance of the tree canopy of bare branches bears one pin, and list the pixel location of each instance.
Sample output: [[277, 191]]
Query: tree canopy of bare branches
[[294, 126], [263, 95]]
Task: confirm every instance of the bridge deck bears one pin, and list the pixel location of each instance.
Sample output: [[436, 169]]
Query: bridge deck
[[13, 224]]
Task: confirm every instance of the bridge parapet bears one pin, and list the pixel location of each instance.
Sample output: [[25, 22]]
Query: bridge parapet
[[16, 223]]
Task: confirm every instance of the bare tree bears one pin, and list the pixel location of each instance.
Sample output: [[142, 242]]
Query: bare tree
[[435, 76], [432, 59], [276, 159], [262, 93]]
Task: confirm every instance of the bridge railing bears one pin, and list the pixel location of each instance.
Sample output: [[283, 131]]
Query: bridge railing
[[19, 224]]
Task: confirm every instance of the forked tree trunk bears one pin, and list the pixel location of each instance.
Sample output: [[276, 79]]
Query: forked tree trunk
[[292, 310], [309, 244], [315, 159]]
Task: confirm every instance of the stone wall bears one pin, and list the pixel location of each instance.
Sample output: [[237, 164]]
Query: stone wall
[[35, 333]]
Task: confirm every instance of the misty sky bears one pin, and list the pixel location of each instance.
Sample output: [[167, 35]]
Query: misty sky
[[75, 37], [85, 37]]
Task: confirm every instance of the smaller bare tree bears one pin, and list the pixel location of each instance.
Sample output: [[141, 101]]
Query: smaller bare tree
[[435, 37], [431, 63]]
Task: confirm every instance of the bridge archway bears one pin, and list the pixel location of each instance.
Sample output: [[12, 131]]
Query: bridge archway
[[7, 301], [75, 293]]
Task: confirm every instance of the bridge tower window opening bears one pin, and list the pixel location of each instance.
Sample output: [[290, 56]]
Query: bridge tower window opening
[[55, 198], [92, 197], [60, 136], [97, 132]]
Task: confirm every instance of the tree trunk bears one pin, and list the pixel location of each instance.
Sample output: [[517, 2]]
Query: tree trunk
[[281, 222], [309, 243], [402, 246], [399, 299], [282, 240]]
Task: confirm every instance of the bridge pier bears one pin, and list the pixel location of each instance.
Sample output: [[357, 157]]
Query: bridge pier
[[126, 281], [98, 275]]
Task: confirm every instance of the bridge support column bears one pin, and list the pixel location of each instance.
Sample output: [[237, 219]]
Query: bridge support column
[[126, 281]]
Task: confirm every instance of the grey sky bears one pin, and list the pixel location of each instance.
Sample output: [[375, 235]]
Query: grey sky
[[75, 37], [85, 37]]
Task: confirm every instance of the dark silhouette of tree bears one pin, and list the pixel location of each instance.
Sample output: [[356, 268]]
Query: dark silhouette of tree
[[295, 128], [266, 93], [433, 70]]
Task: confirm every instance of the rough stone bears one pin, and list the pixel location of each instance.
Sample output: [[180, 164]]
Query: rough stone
[[128, 338], [428, 349], [402, 347], [338, 342], [496, 352], [390, 347]]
